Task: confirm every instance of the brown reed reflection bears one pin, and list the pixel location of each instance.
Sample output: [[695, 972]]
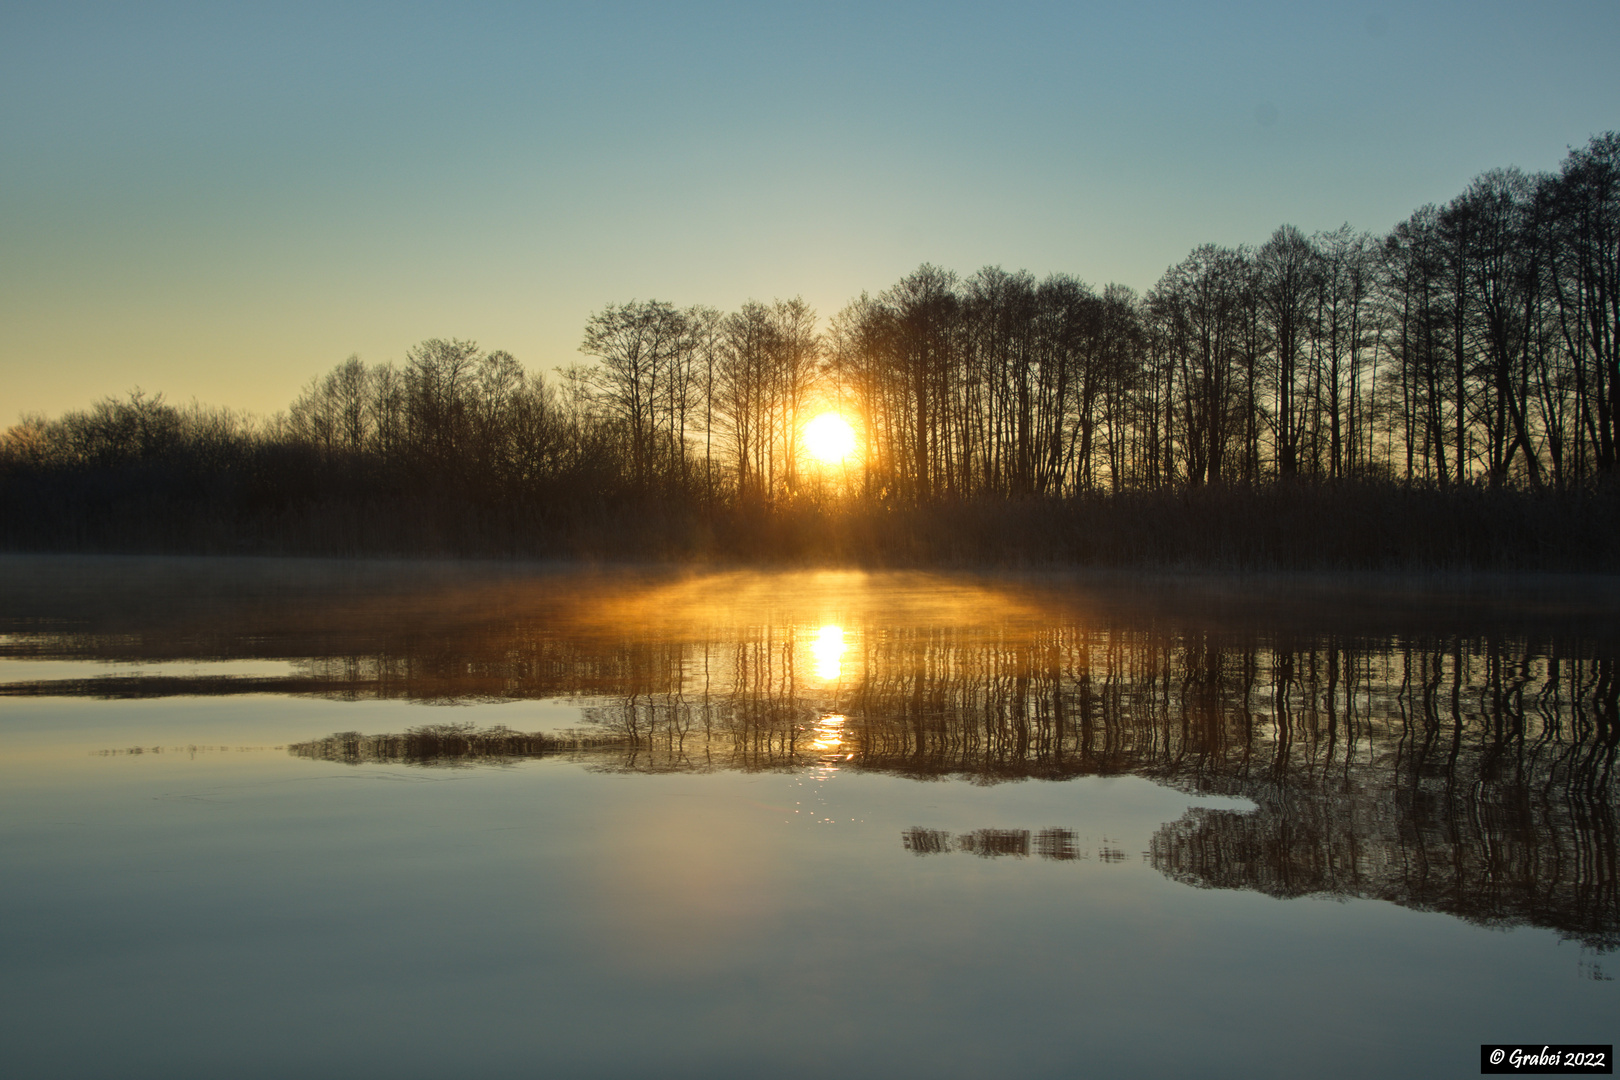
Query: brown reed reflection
[[1059, 845], [443, 745]]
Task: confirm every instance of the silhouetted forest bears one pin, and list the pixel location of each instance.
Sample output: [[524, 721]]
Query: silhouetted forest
[[1445, 394]]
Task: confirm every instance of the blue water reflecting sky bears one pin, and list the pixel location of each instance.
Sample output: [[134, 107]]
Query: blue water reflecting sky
[[247, 913]]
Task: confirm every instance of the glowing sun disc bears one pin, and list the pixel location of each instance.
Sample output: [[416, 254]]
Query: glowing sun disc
[[829, 438]]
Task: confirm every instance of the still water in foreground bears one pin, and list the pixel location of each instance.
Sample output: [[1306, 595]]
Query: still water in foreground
[[262, 818]]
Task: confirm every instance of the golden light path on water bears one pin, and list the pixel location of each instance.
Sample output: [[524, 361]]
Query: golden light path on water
[[828, 652], [829, 733]]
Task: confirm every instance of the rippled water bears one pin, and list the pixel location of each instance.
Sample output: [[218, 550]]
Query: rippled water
[[279, 818]]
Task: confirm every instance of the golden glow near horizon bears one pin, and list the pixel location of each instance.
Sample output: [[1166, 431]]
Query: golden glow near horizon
[[828, 652], [829, 438]]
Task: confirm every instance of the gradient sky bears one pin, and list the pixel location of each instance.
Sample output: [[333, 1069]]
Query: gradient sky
[[219, 201]]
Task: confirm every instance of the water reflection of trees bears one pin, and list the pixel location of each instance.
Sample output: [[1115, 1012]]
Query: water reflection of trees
[[1060, 845], [443, 745], [1473, 776], [1480, 785], [1470, 775]]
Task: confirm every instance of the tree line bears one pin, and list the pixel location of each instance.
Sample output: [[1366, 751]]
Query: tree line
[[1475, 343], [1475, 347]]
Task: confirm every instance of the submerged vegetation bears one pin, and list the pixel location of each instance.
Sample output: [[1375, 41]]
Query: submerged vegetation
[[1448, 394]]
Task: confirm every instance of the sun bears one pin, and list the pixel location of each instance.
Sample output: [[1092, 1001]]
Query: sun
[[829, 438]]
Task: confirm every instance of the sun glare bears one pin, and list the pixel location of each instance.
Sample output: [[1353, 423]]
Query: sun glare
[[829, 733], [829, 438], [828, 651]]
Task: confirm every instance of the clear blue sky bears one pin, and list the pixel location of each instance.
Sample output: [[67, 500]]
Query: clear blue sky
[[221, 200]]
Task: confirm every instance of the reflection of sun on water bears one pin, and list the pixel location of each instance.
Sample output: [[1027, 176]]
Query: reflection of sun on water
[[829, 733], [828, 652]]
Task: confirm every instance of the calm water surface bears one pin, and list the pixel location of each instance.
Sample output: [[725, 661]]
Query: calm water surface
[[266, 818]]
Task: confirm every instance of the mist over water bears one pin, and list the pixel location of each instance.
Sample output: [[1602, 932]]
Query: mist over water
[[787, 822]]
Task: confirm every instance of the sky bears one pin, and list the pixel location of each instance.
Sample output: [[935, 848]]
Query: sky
[[220, 201]]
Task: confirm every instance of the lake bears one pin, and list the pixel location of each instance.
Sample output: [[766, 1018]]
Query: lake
[[280, 817]]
